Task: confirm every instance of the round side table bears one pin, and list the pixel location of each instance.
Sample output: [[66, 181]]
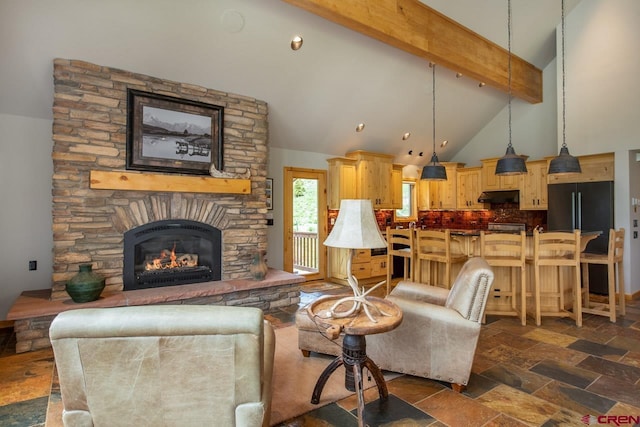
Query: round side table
[[354, 355]]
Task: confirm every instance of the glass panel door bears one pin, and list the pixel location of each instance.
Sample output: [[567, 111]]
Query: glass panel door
[[305, 222]]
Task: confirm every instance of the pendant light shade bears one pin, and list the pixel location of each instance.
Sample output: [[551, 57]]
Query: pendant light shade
[[434, 171], [565, 163], [510, 163]]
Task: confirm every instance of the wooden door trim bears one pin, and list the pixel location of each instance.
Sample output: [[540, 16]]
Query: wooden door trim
[[321, 175]]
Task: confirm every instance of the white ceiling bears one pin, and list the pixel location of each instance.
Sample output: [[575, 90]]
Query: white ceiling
[[316, 95]]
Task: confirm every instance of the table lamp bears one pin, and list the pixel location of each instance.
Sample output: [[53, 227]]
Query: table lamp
[[355, 228]]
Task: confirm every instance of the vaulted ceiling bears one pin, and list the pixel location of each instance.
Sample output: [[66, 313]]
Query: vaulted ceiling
[[317, 95]]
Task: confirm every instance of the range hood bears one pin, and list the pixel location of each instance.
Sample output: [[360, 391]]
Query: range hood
[[512, 196]]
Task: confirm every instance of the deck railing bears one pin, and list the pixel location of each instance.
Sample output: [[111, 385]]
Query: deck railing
[[305, 251]]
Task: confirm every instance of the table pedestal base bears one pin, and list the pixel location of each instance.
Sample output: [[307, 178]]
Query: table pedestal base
[[354, 358]]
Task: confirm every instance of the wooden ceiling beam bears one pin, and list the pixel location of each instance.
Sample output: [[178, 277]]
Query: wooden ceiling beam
[[416, 28]]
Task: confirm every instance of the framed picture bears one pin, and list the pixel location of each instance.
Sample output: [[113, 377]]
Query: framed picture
[[167, 134], [269, 193]]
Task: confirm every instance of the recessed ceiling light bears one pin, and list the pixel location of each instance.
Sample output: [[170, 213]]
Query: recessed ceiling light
[[481, 84], [360, 127], [445, 142], [296, 42], [458, 75], [406, 136]]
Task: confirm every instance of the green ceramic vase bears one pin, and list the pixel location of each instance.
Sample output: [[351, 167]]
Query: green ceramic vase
[[86, 285]]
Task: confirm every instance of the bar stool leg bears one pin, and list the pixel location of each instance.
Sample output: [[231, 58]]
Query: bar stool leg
[[621, 288], [536, 272], [612, 292], [585, 281], [577, 298], [523, 296]]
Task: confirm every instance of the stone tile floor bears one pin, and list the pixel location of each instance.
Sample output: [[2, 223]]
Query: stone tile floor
[[552, 375]]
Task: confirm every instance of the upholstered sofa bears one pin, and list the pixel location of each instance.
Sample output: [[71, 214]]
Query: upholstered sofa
[[439, 332], [164, 366]]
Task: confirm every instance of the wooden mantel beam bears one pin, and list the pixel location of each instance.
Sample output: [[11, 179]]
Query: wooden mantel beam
[[416, 28]]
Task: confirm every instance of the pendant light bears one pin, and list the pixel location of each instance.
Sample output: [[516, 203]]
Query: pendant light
[[434, 171], [510, 163], [565, 163]]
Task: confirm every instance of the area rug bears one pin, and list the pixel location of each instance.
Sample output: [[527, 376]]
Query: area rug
[[295, 376]]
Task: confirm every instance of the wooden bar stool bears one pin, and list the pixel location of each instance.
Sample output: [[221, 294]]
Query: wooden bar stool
[[557, 249], [400, 242], [434, 246], [612, 259], [506, 250]]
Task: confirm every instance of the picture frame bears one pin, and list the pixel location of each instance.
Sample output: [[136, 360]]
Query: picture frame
[[269, 193], [174, 135]]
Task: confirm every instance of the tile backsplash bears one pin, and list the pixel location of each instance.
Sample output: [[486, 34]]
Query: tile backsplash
[[464, 220]]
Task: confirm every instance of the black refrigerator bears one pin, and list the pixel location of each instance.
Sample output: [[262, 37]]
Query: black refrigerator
[[587, 206]]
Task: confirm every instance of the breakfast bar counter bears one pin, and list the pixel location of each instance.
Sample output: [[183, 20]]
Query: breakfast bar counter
[[467, 242]]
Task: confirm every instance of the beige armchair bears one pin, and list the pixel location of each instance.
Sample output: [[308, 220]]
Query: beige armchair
[[439, 332], [440, 328], [164, 366]]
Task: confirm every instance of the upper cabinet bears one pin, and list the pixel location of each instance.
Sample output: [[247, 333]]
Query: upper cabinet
[[341, 181], [440, 194], [365, 175], [493, 182], [396, 186], [595, 167], [533, 186], [469, 188]]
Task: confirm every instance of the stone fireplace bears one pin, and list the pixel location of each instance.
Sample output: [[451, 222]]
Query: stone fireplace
[[90, 222]]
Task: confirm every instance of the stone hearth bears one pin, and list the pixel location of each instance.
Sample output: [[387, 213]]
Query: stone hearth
[[34, 311]]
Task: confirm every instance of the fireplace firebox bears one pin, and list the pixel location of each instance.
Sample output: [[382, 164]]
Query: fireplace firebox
[[171, 252]]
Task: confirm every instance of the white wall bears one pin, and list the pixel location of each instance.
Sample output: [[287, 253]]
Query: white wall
[[278, 159], [603, 99], [25, 220], [533, 128]]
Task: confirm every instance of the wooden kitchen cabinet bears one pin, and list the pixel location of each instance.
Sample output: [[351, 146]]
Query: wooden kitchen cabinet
[[365, 267], [378, 266], [373, 177], [396, 186], [440, 194], [493, 182], [469, 188], [595, 167], [341, 181], [365, 175], [533, 186]]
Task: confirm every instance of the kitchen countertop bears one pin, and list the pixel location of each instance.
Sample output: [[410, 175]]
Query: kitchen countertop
[[469, 232]]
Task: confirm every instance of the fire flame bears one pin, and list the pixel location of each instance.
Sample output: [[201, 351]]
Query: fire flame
[[169, 259]]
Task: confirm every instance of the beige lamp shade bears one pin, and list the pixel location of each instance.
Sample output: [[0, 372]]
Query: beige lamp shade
[[356, 227]]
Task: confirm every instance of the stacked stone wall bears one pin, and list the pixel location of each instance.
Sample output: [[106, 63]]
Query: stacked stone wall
[[90, 133]]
